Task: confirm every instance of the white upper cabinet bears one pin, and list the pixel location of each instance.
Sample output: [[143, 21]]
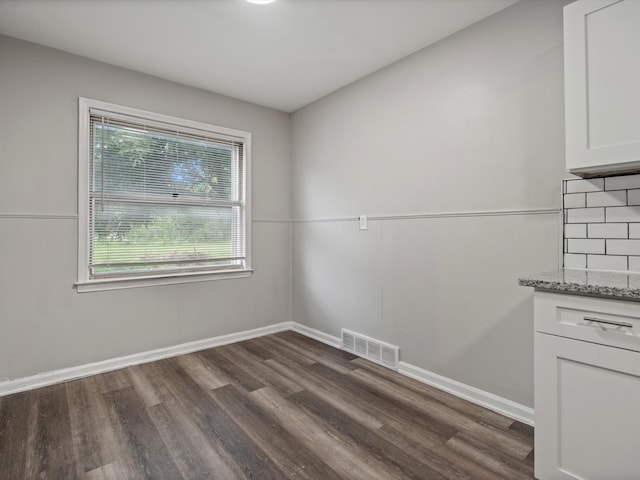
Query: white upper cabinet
[[602, 85]]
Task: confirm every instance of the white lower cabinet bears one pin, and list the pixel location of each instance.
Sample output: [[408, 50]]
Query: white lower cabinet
[[587, 388]]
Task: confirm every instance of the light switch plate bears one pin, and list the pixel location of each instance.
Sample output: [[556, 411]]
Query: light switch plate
[[363, 222]]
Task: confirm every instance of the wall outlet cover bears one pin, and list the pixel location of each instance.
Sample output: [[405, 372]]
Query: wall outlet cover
[[363, 222]]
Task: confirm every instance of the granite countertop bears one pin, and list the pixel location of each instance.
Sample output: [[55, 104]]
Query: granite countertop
[[621, 285]]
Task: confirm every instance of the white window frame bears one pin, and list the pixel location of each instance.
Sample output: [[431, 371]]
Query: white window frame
[[84, 282]]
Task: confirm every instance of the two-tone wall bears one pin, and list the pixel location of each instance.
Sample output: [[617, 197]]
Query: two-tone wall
[[456, 154], [44, 323]]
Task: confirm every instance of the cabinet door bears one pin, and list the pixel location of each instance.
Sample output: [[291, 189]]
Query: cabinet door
[[602, 75], [587, 401]]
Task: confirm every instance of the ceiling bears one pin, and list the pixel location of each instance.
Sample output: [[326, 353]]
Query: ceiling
[[284, 55]]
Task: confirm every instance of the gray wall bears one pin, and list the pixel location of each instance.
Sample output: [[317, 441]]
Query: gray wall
[[472, 123], [44, 323]]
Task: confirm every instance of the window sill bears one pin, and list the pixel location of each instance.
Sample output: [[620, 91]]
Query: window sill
[[122, 283]]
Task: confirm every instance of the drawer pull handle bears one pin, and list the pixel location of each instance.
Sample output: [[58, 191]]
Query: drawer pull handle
[[608, 322]]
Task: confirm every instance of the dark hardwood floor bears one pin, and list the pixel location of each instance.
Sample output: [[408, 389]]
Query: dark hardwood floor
[[277, 407]]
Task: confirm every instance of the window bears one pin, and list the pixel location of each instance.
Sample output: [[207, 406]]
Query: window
[[161, 199]]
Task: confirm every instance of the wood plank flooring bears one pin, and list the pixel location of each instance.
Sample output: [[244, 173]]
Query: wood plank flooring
[[277, 407]]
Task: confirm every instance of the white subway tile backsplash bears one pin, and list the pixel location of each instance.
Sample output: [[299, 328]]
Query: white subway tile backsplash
[[607, 262], [623, 247], [607, 230], [585, 215], [588, 185], [623, 182], [633, 197], [602, 223], [575, 200], [607, 199], [575, 230], [579, 245], [623, 214], [575, 261]]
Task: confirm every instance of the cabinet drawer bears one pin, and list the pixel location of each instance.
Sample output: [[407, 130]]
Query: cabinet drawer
[[614, 323]]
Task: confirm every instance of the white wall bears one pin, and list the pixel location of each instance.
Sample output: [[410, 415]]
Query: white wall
[[44, 323], [473, 123]]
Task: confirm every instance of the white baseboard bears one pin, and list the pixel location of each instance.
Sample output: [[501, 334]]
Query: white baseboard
[[65, 374], [316, 334], [483, 398], [480, 397]]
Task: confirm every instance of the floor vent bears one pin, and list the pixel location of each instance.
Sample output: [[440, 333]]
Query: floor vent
[[371, 349]]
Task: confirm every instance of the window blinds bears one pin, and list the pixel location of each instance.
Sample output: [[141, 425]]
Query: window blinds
[[163, 199]]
